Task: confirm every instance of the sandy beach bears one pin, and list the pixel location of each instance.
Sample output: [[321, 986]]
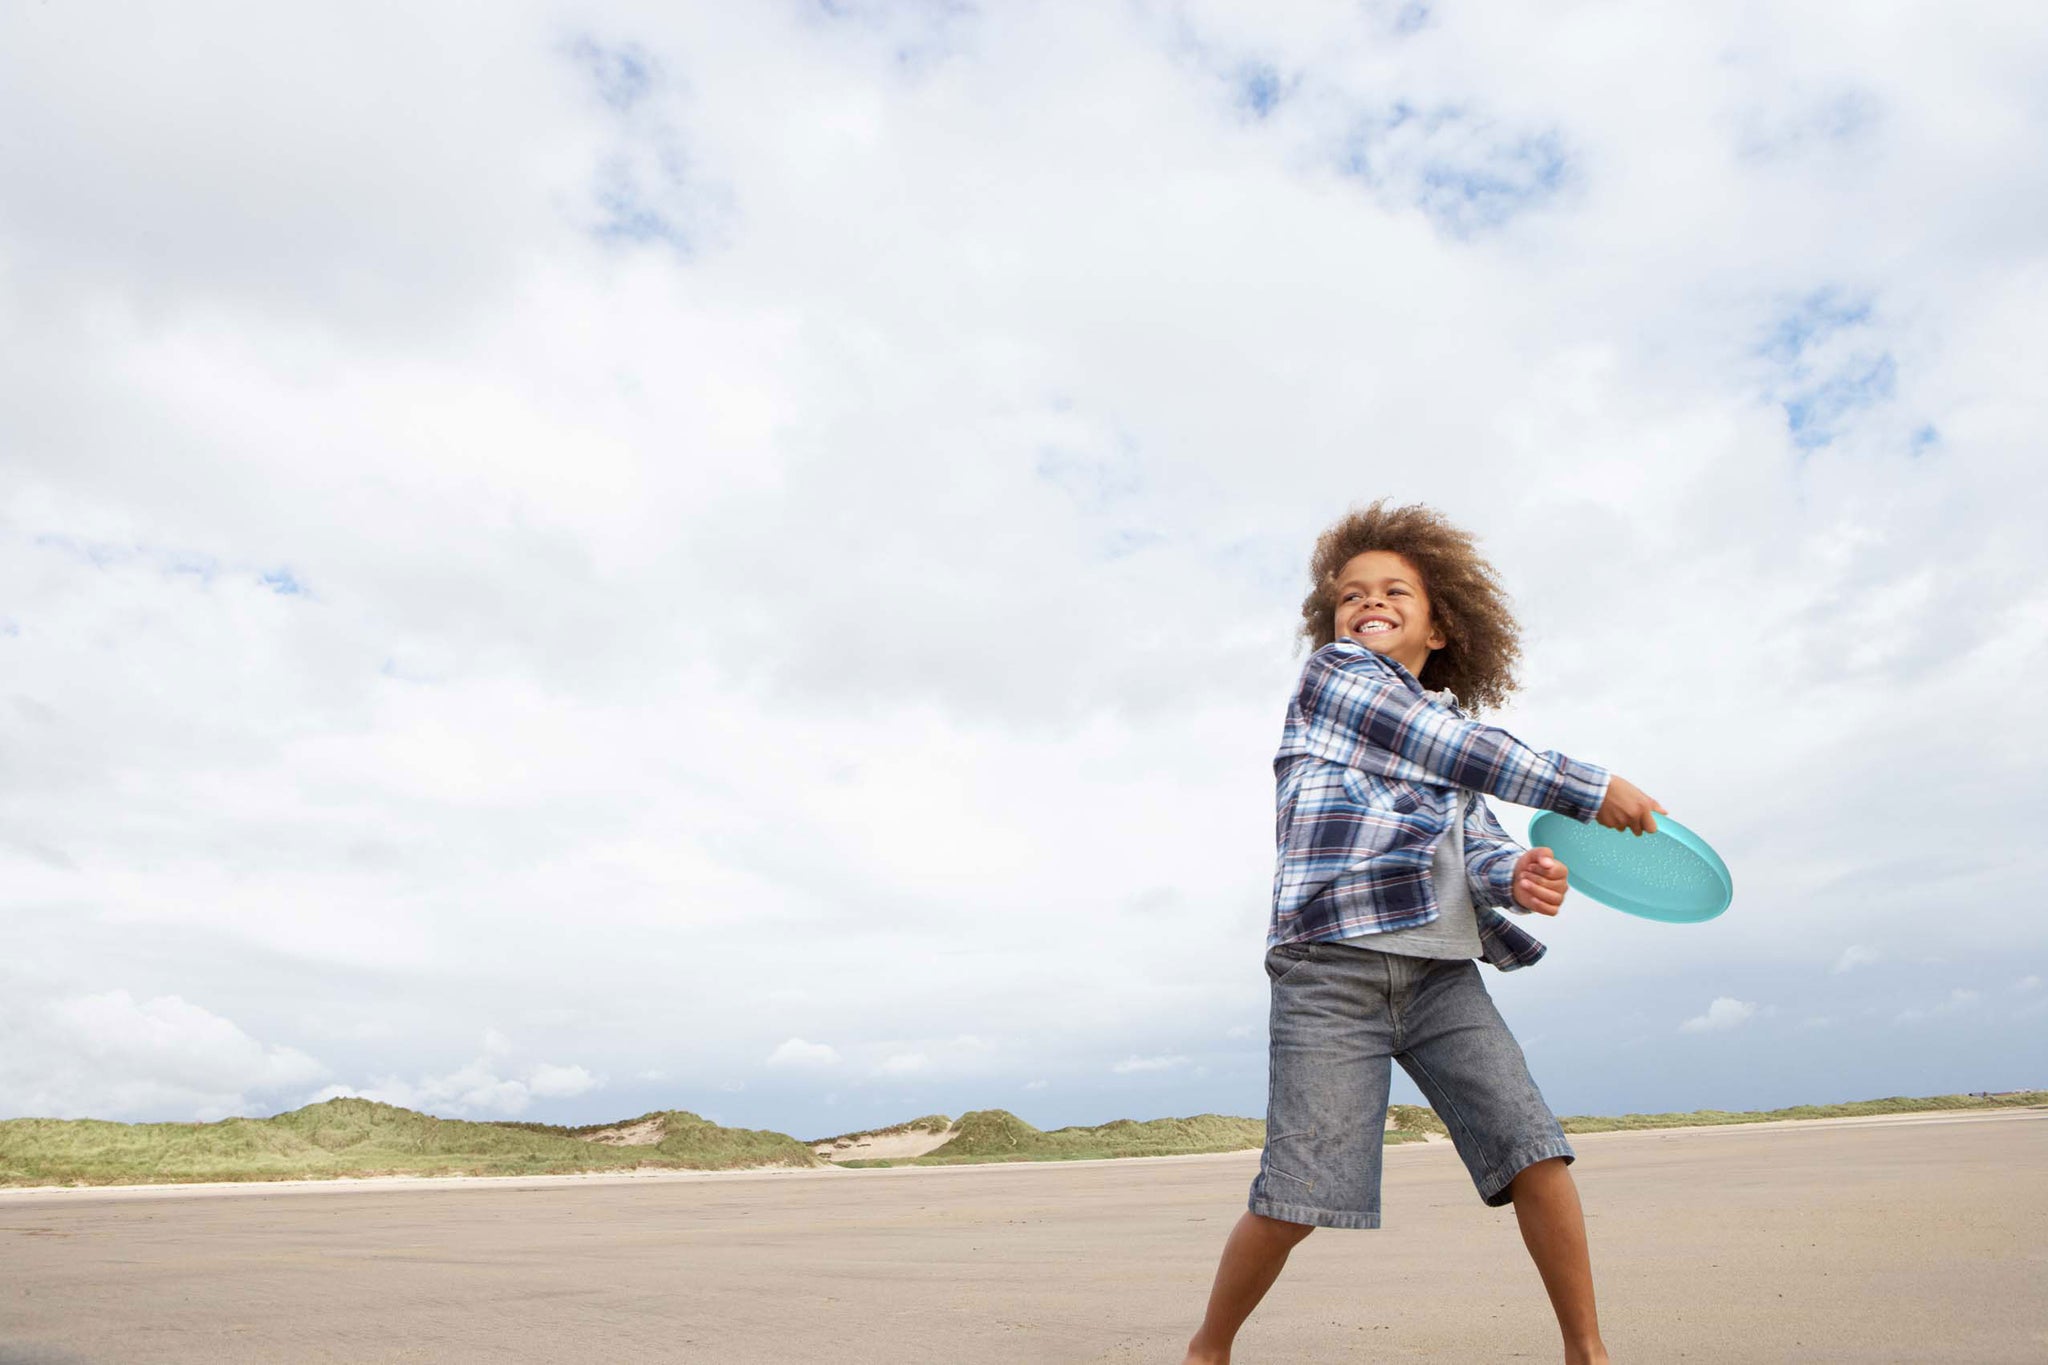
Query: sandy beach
[[1905, 1239]]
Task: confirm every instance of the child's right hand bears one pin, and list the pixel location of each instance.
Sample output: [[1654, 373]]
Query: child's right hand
[[1628, 807]]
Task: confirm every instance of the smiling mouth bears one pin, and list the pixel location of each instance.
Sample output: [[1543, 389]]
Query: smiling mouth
[[1372, 628]]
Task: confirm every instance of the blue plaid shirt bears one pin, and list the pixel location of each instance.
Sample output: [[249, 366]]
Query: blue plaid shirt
[[1368, 769]]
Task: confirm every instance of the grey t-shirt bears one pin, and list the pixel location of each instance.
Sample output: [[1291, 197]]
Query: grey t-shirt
[[1454, 933]]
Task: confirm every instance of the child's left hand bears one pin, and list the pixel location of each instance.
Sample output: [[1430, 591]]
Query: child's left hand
[[1540, 881]]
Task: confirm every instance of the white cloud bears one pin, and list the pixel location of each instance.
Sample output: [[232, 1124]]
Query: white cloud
[[2027, 983], [559, 1082], [1133, 1064], [1854, 956], [1724, 1013], [110, 1055], [797, 1052], [1958, 1001], [960, 1055], [475, 1090]]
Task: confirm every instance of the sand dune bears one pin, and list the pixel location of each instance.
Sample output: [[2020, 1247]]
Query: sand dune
[[890, 1145]]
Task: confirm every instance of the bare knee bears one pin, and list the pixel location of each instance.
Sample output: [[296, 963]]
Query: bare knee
[[1278, 1231], [1545, 1174]]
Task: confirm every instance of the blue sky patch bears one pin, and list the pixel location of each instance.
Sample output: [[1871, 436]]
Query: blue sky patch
[[1817, 414], [175, 563], [1830, 366], [193, 564], [628, 214], [186, 564], [621, 76], [1412, 17], [642, 191], [1455, 166], [1818, 315], [1259, 89], [1464, 196], [916, 35]]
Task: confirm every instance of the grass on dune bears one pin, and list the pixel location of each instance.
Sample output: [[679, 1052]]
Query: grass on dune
[[929, 1123], [700, 1144], [999, 1135], [687, 1141], [1413, 1123], [355, 1137], [581, 1131]]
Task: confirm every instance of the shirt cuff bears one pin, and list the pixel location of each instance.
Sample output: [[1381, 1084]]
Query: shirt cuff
[[1582, 791], [1500, 880]]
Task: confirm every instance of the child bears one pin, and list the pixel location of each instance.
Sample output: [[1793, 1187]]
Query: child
[[1392, 874]]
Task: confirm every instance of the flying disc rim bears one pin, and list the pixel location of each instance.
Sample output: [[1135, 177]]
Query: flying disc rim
[[1622, 897]]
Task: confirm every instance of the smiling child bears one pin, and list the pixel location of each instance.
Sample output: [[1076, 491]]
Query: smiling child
[[1391, 881]]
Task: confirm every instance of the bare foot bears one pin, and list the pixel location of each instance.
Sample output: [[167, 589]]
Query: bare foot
[[1198, 1355]]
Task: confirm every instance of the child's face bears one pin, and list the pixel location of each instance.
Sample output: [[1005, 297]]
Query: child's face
[[1382, 605]]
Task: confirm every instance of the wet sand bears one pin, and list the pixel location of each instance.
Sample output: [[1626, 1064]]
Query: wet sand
[[1911, 1239]]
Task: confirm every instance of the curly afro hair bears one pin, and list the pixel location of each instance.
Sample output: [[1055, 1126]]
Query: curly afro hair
[[1466, 599]]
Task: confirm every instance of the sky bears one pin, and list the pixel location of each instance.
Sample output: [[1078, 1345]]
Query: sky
[[745, 558]]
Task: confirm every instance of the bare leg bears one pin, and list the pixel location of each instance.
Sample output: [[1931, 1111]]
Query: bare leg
[[1554, 1229], [1252, 1258]]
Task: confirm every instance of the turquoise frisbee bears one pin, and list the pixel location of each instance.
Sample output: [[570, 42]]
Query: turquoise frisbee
[[1672, 875]]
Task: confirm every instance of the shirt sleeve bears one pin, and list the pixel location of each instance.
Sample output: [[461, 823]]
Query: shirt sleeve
[[1490, 856], [1357, 711]]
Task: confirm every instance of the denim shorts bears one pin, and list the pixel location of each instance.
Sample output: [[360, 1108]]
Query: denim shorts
[[1340, 1015]]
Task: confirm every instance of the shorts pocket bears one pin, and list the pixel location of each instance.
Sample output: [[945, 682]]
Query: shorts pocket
[[1273, 1141], [1283, 961]]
